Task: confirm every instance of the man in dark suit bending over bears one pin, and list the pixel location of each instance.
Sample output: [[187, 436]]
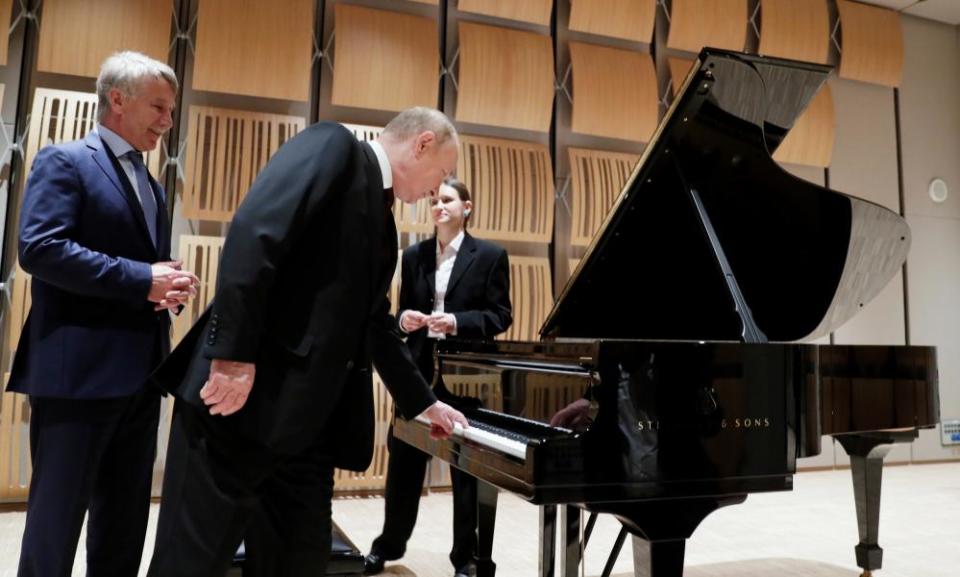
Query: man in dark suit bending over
[[274, 382], [95, 236]]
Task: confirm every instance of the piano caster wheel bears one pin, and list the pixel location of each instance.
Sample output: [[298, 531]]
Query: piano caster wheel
[[867, 573]]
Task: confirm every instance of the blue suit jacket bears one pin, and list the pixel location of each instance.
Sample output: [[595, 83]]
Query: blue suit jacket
[[91, 333]]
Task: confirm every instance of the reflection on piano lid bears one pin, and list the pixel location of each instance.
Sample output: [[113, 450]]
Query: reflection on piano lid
[[791, 258]]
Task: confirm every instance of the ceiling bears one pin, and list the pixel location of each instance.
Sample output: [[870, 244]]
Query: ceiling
[[942, 10]]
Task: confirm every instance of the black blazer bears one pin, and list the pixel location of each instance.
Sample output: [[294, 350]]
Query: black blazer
[[301, 292], [478, 293]]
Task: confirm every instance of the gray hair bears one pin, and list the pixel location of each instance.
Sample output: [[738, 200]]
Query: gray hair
[[413, 121], [126, 71]]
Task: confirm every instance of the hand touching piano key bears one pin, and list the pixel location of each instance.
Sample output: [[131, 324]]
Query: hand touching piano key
[[443, 418]]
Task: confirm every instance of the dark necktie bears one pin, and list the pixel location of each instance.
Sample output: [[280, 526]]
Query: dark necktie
[[145, 192]]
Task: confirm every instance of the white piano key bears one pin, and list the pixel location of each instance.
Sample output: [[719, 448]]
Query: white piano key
[[487, 439]]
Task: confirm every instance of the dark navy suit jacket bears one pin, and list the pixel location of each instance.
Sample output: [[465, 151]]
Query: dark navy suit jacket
[[91, 333]]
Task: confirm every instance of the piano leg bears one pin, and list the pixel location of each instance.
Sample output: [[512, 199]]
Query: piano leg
[[655, 558], [548, 539], [866, 451], [570, 537], [486, 518]]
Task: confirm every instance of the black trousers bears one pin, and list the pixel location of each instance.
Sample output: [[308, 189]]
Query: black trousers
[[406, 469], [218, 491], [89, 456]]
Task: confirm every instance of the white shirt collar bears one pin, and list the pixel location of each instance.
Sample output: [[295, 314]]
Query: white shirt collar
[[117, 145], [454, 244], [384, 162]]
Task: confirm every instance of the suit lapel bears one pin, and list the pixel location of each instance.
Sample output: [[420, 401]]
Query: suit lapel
[[114, 173], [383, 230], [428, 262], [465, 258]]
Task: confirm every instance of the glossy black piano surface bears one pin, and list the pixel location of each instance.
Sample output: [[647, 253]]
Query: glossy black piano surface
[[662, 399]]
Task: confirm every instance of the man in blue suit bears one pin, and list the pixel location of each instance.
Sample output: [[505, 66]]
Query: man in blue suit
[[94, 234]]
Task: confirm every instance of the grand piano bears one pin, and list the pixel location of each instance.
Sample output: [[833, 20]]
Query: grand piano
[[674, 375]]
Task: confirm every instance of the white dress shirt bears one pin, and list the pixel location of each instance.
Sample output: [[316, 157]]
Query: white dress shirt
[[445, 259]]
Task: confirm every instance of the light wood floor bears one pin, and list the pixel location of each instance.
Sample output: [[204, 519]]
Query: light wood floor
[[809, 532]]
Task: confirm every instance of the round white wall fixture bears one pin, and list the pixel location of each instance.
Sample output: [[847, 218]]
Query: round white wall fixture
[[938, 190]]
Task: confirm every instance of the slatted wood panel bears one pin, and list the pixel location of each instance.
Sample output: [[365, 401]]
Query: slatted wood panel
[[409, 217], [716, 23], [614, 92], [796, 29], [385, 60], [77, 35], [375, 477], [810, 141], [679, 69], [226, 149], [6, 12], [255, 48], [531, 292], [64, 115], [626, 19], [506, 77], [533, 11], [14, 445], [201, 256], [596, 179], [19, 305], [512, 187], [572, 264], [546, 395], [872, 44]]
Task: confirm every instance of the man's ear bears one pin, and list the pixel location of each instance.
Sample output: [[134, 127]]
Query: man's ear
[[423, 142]]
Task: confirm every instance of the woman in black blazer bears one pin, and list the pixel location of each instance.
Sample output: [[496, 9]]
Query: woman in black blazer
[[456, 286]]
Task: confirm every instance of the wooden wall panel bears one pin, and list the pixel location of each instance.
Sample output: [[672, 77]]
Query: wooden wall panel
[[716, 23], [384, 60], [810, 141], [15, 467], [77, 35], [20, 300], [6, 13], [531, 292], [506, 78], [375, 477], [255, 48], [614, 92], [679, 69], [872, 44], [201, 256], [597, 177], [409, 217], [626, 19], [533, 11], [512, 187], [226, 149], [796, 29]]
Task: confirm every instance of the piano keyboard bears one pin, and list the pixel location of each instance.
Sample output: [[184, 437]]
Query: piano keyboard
[[489, 436]]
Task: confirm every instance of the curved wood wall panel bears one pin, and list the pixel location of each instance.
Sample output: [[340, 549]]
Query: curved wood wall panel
[[409, 217], [375, 477], [15, 466], [679, 69], [201, 256], [384, 60], [512, 187], [626, 19], [225, 151], [597, 177], [20, 300], [872, 44], [614, 92], [255, 48], [506, 77], [717, 23], [533, 11], [76, 35], [531, 292], [6, 10], [796, 29], [810, 141]]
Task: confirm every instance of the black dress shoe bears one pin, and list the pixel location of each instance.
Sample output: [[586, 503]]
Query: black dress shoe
[[466, 570], [373, 564]]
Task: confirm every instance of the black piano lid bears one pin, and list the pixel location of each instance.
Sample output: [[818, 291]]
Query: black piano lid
[[805, 258]]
